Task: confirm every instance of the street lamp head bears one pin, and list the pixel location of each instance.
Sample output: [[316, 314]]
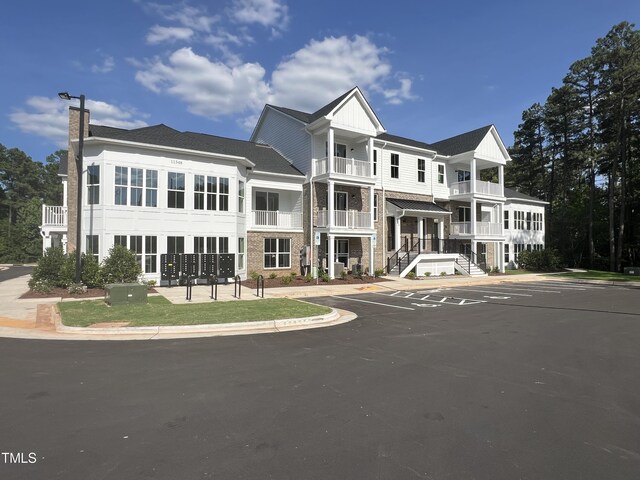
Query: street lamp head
[[64, 95]]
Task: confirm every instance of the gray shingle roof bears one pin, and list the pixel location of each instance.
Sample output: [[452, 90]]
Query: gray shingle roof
[[417, 205], [509, 193], [404, 141], [464, 142], [266, 159]]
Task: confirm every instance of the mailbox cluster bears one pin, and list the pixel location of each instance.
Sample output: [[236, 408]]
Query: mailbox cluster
[[197, 265]]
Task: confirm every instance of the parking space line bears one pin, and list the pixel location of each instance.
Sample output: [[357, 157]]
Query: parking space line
[[465, 289], [525, 289], [427, 298], [374, 303], [568, 286]]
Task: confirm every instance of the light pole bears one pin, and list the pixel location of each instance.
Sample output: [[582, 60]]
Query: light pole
[[66, 96]]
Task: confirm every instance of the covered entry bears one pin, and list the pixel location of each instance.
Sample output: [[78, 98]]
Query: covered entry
[[413, 221]]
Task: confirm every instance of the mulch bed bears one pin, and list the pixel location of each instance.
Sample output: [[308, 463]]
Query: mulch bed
[[62, 292], [302, 282]]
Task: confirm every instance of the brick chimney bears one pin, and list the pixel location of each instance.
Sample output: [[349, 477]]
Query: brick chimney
[[72, 174]]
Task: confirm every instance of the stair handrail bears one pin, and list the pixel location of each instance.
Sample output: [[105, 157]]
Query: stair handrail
[[473, 258]]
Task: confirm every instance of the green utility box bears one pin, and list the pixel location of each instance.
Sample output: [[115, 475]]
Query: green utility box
[[125, 293], [632, 271]]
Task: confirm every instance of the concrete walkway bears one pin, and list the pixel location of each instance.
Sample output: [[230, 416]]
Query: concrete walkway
[[36, 318]]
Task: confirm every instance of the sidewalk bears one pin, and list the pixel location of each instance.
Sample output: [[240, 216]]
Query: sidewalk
[[35, 318]]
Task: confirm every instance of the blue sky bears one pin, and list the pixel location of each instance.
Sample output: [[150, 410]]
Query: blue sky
[[430, 69]]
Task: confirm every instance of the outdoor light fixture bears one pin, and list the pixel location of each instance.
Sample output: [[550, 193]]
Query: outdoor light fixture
[[66, 96]]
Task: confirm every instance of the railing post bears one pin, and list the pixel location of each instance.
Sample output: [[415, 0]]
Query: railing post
[[237, 287]]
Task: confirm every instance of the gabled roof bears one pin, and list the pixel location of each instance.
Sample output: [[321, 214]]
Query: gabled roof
[[511, 194], [265, 158], [385, 137], [417, 205], [462, 143]]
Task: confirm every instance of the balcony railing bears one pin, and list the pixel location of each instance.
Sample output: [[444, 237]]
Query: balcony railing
[[482, 228], [482, 187], [276, 219], [54, 216], [343, 166], [351, 219]]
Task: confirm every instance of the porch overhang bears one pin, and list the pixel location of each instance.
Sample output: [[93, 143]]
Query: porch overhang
[[415, 208]]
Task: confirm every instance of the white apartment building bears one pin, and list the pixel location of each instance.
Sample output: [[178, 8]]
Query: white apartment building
[[332, 181]]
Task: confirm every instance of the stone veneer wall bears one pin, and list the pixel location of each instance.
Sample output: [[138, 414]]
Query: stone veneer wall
[[255, 252]]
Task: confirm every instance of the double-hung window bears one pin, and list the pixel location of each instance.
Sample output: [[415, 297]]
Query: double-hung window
[[93, 243], [151, 185], [421, 170], [137, 179], [93, 184], [151, 254], [175, 191], [277, 253], [375, 163], [121, 183], [240, 196], [441, 174], [223, 196], [375, 207], [175, 244], [240, 253], [212, 192], [198, 192], [506, 219], [395, 165]]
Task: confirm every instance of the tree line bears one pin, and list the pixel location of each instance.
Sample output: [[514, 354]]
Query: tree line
[[579, 151], [25, 185]]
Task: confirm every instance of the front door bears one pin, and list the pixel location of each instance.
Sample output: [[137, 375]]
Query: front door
[[391, 233], [340, 206]]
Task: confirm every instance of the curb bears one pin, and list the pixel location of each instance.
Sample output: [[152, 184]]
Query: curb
[[335, 317], [614, 283]]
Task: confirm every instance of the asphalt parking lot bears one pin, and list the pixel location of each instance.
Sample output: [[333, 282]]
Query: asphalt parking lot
[[529, 381]]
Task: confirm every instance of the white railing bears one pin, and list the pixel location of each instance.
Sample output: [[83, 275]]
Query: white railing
[[352, 219], [488, 228], [460, 228], [277, 219], [484, 188], [343, 166], [54, 216], [482, 228]]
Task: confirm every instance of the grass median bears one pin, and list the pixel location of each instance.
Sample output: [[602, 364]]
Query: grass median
[[160, 311], [600, 275]]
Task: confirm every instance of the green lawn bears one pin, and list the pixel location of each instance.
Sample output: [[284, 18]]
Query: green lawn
[[600, 275], [518, 271], [159, 311]]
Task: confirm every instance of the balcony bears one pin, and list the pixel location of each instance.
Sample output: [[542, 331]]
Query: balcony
[[343, 166], [345, 219], [276, 220], [54, 216], [482, 229], [482, 188]]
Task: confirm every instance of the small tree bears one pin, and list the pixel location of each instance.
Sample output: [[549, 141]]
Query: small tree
[[49, 268], [120, 266]]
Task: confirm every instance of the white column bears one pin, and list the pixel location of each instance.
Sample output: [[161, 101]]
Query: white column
[[330, 150], [370, 152], [501, 259], [474, 207], [501, 179], [330, 257], [474, 247], [372, 263], [64, 243], [331, 203], [441, 233], [501, 217], [371, 194], [421, 232], [398, 227], [473, 176]]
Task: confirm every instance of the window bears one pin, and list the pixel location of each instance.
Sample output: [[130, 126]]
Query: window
[[175, 191], [240, 253], [518, 220], [198, 192], [395, 165], [137, 179], [223, 204], [240, 196], [212, 192], [93, 185], [506, 253], [375, 163], [151, 254], [529, 221], [92, 246], [223, 244], [464, 214], [151, 194], [517, 248], [135, 245], [463, 175], [212, 245], [375, 207], [122, 182], [267, 201], [441, 174], [506, 219], [421, 169], [120, 240], [198, 244], [175, 244], [537, 221], [277, 253], [339, 150]]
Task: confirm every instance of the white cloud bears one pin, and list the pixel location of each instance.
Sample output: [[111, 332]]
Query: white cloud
[[159, 34], [268, 13], [210, 88], [186, 15], [48, 117], [396, 96], [108, 63]]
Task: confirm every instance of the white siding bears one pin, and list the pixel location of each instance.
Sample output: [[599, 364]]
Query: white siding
[[523, 236], [490, 149], [440, 191], [407, 182], [287, 136], [353, 116]]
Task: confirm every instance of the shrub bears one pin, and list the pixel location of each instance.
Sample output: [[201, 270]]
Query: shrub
[[40, 286], [150, 284], [379, 272], [427, 274], [443, 274], [120, 266], [324, 277], [254, 275], [286, 280], [411, 275], [308, 277], [293, 275], [273, 275], [546, 260], [496, 269], [91, 272], [343, 275], [77, 289], [48, 269]]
